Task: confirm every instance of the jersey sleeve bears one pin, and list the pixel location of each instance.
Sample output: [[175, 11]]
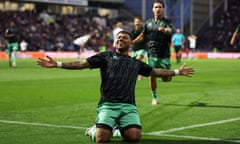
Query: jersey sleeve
[[145, 69], [169, 23], [144, 30], [97, 60], [7, 31], [238, 29]]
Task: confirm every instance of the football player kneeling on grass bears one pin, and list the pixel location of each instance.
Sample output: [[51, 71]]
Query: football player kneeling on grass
[[119, 74]]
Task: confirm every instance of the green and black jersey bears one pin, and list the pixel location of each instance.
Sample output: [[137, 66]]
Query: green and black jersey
[[158, 41], [12, 30], [140, 45], [118, 74]]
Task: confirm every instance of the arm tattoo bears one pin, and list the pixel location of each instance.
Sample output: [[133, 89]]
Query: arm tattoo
[[75, 65], [162, 72]]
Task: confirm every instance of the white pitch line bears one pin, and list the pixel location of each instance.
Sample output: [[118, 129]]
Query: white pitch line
[[199, 138], [160, 133], [193, 126], [40, 124]]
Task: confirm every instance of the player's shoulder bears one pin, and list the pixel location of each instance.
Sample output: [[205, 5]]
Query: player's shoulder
[[106, 53], [166, 20], [132, 30], [149, 20], [103, 56]]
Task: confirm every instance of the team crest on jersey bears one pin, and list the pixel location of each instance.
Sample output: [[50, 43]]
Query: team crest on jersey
[[161, 23], [115, 57], [149, 25]]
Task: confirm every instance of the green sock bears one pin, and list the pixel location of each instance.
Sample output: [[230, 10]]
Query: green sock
[[154, 94]]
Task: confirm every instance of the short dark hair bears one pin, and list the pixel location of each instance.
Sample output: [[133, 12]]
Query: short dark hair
[[126, 32], [159, 1], [138, 17]]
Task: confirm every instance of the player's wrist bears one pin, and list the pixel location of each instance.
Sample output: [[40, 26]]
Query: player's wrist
[[59, 64], [176, 72]]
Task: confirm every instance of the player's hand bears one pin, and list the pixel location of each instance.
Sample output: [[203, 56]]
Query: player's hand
[[48, 63], [161, 28], [183, 70]]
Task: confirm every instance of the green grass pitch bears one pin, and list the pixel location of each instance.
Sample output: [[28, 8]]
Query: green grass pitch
[[54, 106]]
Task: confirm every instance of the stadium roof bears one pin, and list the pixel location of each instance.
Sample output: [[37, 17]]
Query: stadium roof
[[67, 2]]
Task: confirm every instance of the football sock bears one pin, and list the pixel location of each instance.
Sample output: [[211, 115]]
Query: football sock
[[154, 94], [14, 58], [93, 134]]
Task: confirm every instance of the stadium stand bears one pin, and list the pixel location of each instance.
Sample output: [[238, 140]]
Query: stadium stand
[[51, 31], [217, 37]]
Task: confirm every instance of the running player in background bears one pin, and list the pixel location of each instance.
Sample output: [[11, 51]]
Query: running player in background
[[192, 46], [81, 41], [235, 35], [12, 36], [138, 49], [158, 32], [116, 30]]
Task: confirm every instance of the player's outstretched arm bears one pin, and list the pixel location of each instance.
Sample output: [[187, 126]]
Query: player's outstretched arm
[[49, 62], [233, 38], [183, 71], [138, 39]]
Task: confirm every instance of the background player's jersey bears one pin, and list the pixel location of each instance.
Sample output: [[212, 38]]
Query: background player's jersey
[[118, 74], [139, 45], [12, 31], [178, 39], [158, 41]]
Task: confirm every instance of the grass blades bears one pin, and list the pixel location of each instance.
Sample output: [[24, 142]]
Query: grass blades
[[39, 105]]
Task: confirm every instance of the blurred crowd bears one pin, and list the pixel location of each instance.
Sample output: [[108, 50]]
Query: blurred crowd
[[217, 37], [55, 32], [47, 31]]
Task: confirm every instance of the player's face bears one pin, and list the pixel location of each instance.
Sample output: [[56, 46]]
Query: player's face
[[12, 24], [158, 9], [137, 23], [123, 42]]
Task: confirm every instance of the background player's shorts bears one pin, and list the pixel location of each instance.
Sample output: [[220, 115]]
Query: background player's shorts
[[177, 48], [122, 115], [140, 52], [159, 62], [76, 47], [11, 47]]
